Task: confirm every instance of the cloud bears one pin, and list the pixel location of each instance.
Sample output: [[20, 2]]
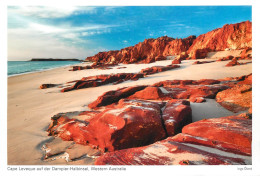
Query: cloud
[[50, 11], [24, 45]]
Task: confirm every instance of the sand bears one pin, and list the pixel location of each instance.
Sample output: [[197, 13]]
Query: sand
[[30, 108]]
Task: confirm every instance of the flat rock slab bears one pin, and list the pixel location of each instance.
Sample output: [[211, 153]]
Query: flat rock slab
[[234, 130], [170, 152]]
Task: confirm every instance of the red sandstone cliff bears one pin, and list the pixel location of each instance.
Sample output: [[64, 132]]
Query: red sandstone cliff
[[147, 51], [233, 36]]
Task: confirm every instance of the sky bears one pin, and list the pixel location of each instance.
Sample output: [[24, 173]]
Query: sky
[[82, 31]]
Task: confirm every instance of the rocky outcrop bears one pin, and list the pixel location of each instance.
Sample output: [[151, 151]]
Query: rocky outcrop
[[176, 61], [148, 51], [234, 36], [149, 93], [219, 141], [237, 98], [99, 80], [156, 69], [176, 114], [45, 86], [95, 81], [232, 63], [201, 62], [114, 96], [129, 123], [226, 58], [93, 66], [231, 36], [233, 130]]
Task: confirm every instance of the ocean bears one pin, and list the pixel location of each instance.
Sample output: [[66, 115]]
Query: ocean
[[21, 67]]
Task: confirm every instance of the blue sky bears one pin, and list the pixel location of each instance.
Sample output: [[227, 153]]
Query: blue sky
[[81, 31]]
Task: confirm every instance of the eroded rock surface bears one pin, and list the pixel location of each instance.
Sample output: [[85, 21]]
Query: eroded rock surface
[[150, 50], [130, 123]]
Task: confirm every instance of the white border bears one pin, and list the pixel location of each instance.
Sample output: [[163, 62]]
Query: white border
[[140, 170]]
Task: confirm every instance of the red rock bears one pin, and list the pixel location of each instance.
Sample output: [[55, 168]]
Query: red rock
[[130, 123], [156, 69], [235, 36], [149, 93], [160, 57], [233, 62], [226, 58], [233, 130], [177, 113], [176, 61], [225, 146], [94, 81], [170, 152], [200, 53], [45, 86], [246, 80], [207, 81], [186, 82], [237, 98], [201, 62], [246, 53], [75, 68], [147, 51], [197, 92], [121, 67], [197, 99], [114, 96]]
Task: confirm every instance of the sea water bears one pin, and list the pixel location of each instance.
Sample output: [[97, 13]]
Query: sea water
[[20, 67]]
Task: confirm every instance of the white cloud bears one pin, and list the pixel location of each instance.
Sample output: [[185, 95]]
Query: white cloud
[[50, 11], [32, 45]]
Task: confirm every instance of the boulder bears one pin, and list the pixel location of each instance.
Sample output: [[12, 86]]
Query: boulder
[[237, 98], [94, 81], [176, 61], [114, 96], [202, 62], [176, 114], [170, 152], [130, 123], [232, 63], [234, 130], [45, 86], [149, 93]]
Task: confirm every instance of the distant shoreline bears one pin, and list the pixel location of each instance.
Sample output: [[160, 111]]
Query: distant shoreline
[[51, 59]]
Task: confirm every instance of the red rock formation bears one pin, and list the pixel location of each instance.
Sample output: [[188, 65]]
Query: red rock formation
[[246, 53], [94, 81], [225, 146], [186, 82], [200, 53], [147, 51], [226, 58], [114, 96], [45, 86], [232, 63], [206, 142], [149, 93], [233, 130], [176, 61], [169, 152], [237, 98], [156, 69], [234, 36], [176, 114], [202, 62], [130, 123]]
